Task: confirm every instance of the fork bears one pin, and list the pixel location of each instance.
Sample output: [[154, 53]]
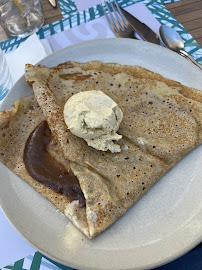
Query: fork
[[117, 22]]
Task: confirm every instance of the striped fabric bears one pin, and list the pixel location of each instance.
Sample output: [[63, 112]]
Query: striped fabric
[[73, 18], [35, 262]]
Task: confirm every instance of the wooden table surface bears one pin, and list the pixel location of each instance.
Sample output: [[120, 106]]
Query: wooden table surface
[[187, 12]]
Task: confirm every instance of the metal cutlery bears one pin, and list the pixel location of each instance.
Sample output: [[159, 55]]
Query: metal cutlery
[[123, 24], [173, 41], [117, 22], [53, 3], [142, 29]]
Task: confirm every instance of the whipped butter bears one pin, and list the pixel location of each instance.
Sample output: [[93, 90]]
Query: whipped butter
[[95, 117]]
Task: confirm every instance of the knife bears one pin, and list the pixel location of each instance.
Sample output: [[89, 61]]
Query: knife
[[53, 3], [142, 29]]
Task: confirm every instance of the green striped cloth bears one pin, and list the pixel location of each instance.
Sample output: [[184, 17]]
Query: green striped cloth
[[37, 261], [73, 18]]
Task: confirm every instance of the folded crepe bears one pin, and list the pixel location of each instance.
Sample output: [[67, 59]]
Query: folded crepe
[[162, 122]]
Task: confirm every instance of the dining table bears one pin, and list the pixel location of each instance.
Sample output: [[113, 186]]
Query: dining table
[[187, 12], [186, 15]]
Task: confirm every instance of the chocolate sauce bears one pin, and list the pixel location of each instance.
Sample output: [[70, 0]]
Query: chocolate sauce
[[45, 169]]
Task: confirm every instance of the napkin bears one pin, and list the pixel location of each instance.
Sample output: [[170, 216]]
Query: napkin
[[99, 28], [82, 5], [31, 51]]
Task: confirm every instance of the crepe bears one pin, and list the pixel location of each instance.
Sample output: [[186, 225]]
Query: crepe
[[161, 123], [16, 125]]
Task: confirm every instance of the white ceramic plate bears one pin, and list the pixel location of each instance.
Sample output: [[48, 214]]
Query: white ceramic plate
[[164, 224]]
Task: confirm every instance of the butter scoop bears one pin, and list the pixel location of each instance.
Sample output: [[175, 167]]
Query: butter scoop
[[95, 117]]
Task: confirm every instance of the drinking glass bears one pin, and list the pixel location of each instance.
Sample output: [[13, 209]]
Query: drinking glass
[[21, 17], [5, 77]]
